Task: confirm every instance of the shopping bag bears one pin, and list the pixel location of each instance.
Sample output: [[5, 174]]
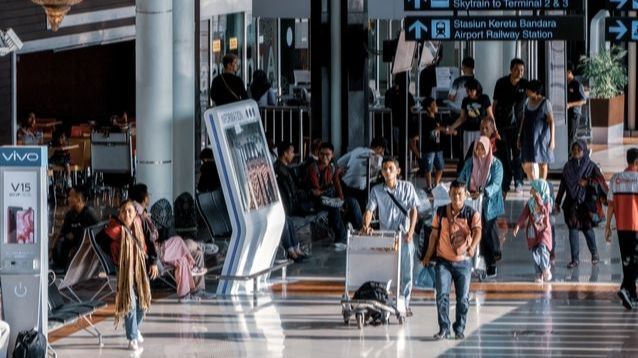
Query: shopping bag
[[425, 278]]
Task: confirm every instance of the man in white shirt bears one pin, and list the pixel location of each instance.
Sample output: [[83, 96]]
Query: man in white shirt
[[397, 203], [457, 91], [354, 164]]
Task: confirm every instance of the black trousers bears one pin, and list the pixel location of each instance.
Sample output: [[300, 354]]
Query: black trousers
[[628, 241], [490, 245], [572, 127], [509, 136]]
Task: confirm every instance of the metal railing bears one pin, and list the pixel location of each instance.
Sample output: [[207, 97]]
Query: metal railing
[[381, 124], [288, 123]]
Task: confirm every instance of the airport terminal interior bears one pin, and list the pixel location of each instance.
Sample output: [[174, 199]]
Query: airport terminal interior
[[243, 178]]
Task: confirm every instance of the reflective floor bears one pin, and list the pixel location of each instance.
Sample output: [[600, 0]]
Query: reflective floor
[[313, 327]]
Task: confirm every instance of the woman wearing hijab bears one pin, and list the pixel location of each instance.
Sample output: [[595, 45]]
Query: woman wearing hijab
[[483, 174], [488, 129], [260, 89], [581, 180], [536, 213], [133, 254]]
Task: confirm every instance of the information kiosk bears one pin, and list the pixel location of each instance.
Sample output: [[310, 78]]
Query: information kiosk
[[23, 247], [250, 190]]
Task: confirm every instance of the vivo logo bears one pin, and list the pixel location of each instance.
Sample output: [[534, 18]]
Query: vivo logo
[[24, 157]]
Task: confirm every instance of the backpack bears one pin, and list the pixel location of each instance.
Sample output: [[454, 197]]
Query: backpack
[[374, 291], [30, 344]]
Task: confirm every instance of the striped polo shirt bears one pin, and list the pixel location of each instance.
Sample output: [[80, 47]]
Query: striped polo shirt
[[623, 195]]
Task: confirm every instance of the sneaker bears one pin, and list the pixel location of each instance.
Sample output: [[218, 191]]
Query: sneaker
[[408, 312], [210, 248], [132, 345], [539, 278], [189, 299], [626, 300], [441, 335], [547, 275], [491, 272], [203, 295], [595, 260], [140, 338], [574, 264], [459, 335], [340, 246], [198, 271]]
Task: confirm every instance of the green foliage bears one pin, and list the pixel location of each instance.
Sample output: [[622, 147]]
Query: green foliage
[[606, 72]]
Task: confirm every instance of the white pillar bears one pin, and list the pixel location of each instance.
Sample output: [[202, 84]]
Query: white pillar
[[183, 97], [335, 74], [487, 70], [154, 96]]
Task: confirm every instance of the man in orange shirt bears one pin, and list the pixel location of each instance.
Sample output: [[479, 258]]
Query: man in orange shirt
[[623, 204], [456, 231]]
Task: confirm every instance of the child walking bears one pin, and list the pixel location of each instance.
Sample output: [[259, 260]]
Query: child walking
[[536, 212]]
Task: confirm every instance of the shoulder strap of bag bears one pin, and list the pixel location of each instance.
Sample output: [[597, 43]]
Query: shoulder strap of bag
[[228, 88], [397, 203]]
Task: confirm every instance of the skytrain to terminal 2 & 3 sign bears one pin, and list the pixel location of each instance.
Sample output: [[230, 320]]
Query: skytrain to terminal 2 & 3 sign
[[499, 28], [477, 5]]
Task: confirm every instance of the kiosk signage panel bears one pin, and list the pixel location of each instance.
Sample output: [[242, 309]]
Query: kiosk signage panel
[[24, 241], [501, 28], [250, 191], [478, 5]]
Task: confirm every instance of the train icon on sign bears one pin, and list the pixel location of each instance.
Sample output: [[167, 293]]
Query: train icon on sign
[[440, 29]]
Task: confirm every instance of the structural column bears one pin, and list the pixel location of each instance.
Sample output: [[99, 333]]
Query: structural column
[[335, 74], [154, 95], [183, 97]]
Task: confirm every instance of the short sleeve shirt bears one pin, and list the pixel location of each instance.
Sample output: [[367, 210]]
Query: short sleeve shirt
[[391, 217], [575, 93], [623, 195], [510, 101], [475, 111], [444, 249]]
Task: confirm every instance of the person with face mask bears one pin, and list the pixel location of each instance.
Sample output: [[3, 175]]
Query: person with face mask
[[581, 185]]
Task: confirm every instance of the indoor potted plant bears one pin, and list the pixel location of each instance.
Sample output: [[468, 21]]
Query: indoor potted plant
[[607, 78]]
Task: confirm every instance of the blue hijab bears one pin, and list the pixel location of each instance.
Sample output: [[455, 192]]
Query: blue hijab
[[542, 188]]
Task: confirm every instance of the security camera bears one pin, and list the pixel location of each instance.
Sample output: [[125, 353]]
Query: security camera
[[9, 42]]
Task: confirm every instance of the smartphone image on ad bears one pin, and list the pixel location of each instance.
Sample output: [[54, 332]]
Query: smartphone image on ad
[[11, 226], [25, 230]]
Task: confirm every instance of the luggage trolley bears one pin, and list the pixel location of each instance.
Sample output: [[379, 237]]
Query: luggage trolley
[[374, 257]]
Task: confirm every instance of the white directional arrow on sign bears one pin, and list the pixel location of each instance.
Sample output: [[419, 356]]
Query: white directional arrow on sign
[[619, 30], [417, 27], [620, 3]]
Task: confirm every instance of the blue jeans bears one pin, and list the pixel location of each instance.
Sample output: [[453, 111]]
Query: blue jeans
[[133, 319], [459, 273], [590, 238], [541, 258], [288, 235], [407, 268]]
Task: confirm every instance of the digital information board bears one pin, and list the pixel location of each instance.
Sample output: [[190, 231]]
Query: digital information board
[[621, 29], [501, 28], [478, 5], [250, 190]]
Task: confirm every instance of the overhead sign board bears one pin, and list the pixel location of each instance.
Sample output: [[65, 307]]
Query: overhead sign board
[[478, 5], [501, 28], [621, 29], [622, 5]]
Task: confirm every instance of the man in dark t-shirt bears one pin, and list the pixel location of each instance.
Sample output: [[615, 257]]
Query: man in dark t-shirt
[[227, 87], [79, 217], [509, 104], [575, 101]]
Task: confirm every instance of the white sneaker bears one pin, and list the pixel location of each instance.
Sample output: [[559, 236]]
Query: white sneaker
[[339, 246], [132, 345], [547, 275], [189, 299], [140, 339], [539, 278], [210, 248], [198, 271]]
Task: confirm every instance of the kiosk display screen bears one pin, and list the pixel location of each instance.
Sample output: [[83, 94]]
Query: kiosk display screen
[[20, 199], [252, 165]]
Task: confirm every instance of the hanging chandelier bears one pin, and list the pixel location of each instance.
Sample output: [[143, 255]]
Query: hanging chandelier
[[56, 10]]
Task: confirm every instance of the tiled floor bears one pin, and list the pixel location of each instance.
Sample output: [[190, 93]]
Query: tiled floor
[[313, 327]]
